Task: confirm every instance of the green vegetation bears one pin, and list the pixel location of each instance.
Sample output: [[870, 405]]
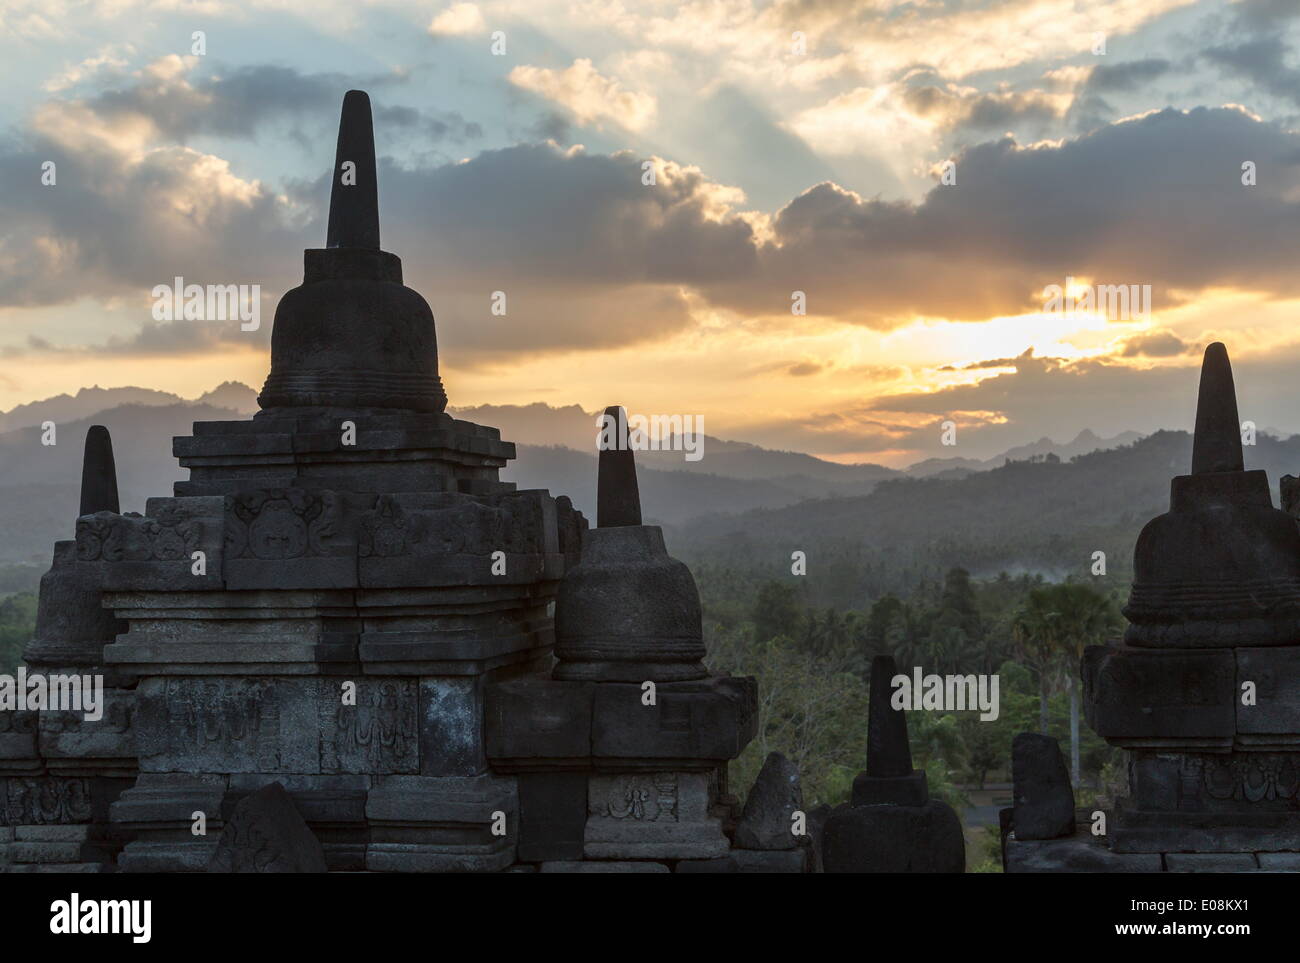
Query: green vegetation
[[813, 665], [17, 622], [18, 577]]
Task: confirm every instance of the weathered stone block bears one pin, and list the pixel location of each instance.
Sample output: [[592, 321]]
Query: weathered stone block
[[1225, 783], [67, 735], [910, 790], [1210, 862], [1279, 862], [267, 834], [1160, 697], [304, 449], [53, 834], [421, 824], [1274, 718], [628, 612], [566, 866], [531, 721], [771, 861], [467, 630], [378, 735], [692, 723], [277, 725], [720, 864], [45, 851], [1242, 827], [72, 626], [61, 868], [1074, 854], [170, 798], [451, 539], [334, 806], [451, 727], [767, 821], [42, 799], [158, 811], [18, 741], [645, 815], [552, 815], [1044, 798], [203, 725], [156, 551], [894, 839], [289, 538]]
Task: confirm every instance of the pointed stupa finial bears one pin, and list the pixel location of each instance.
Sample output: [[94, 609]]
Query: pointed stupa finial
[[354, 200], [98, 473], [888, 753], [618, 501], [1216, 446]]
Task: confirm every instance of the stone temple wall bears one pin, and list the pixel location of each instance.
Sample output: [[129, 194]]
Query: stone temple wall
[[333, 647], [1203, 692]]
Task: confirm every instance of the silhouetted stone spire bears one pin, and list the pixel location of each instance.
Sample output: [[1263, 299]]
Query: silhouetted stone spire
[[1217, 443], [98, 473], [628, 611], [352, 335], [618, 501], [354, 200], [888, 753], [890, 824], [1221, 568]]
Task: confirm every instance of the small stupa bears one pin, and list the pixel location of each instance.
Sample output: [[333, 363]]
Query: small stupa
[[891, 825]]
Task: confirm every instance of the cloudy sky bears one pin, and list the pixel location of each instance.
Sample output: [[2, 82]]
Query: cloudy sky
[[797, 146]]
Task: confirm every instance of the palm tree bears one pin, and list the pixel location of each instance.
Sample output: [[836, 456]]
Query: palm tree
[[1051, 630], [1033, 632], [1085, 617]]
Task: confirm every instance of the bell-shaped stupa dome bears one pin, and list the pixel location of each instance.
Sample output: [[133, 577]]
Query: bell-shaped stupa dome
[[1222, 566], [628, 611], [352, 335]]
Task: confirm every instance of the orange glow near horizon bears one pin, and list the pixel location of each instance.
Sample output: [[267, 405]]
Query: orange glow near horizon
[[734, 376]]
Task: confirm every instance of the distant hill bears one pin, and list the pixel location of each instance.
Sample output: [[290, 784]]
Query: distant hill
[[667, 497], [1084, 443], [543, 426], [40, 485], [741, 502], [87, 401], [68, 408], [233, 395], [1046, 516]]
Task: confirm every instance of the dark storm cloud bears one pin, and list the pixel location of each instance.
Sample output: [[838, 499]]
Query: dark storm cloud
[[1263, 63], [236, 104], [803, 369], [1125, 77], [535, 211], [988, 363], [116, 226], [589, 256], [984, 113], [1091, 109], [1264, 15], [160, 339], [586, 254], [551, 125], [1251, 47], [1157, 200], [1160, 344]]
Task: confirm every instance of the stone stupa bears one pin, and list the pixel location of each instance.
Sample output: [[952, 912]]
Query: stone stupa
[[1204, 691], [332, 647], [324, 602], [891, 824]]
